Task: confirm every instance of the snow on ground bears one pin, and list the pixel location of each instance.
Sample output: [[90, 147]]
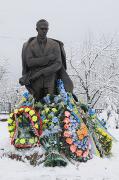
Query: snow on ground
[[95, 169]]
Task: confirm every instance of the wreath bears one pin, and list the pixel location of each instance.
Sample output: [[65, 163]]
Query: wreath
[[25, 127], [76, 139]]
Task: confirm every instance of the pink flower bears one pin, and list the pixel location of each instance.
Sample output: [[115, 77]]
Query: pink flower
[[85, 154], [73, 148], [67, 113], [67, 133]]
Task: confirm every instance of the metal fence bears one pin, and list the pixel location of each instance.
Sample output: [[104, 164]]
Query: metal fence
[[98, 111]]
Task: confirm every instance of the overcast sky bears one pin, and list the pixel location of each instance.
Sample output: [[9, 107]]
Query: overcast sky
[[70, 20]]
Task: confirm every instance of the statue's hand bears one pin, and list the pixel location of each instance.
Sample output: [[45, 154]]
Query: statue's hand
[[24, 80], [51, 56]]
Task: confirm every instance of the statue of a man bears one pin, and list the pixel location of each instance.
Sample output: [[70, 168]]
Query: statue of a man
[[42, 65]]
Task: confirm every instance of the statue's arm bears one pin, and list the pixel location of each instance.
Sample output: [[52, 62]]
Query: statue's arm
[[24, 80], [37, 61], [24, 64], [52, 68]]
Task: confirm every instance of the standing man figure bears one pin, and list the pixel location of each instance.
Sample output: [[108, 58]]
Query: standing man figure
[[41, 62]]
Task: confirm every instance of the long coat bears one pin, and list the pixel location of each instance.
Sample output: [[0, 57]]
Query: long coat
[[33, 62]]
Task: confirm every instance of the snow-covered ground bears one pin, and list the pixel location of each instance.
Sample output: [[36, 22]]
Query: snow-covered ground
[[95, 169]]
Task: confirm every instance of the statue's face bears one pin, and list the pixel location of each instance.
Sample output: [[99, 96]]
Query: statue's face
[[42, 30]]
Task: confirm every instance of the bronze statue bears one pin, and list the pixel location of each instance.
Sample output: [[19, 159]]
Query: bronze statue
[[43, 62]]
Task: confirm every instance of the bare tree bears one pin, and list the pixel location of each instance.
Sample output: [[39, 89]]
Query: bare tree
[[96, 68], [8, 89]]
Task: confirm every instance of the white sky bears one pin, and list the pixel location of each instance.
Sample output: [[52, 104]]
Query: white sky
[[70, 20]]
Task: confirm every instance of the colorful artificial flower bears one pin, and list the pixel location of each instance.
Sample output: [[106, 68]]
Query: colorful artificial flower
[[27, 109], [21, 109], [73, 148], [31, 112], [10, 121], [80, 136], [55, 120], [16, 111], [69, 140], [27, 115], [66, 126], [11, 134], [32, 140], [67, 114], [22, 141], [36, 126], [67, 133], [34, 118], [79, 153], [11, 115], [85, 154], [66, 120], [54, 110]]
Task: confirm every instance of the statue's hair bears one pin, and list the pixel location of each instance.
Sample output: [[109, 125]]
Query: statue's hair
[[41, 21]]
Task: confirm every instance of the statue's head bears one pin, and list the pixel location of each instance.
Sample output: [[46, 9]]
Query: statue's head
[[42, 28]]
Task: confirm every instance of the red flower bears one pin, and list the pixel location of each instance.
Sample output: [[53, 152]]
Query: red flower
[[66, 120], [66, 126]]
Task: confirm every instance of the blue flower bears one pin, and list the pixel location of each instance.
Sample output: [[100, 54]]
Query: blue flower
[[46, 99], [26, 103], [55, 119], [26, 94], [79, 146], [91, 112], [43, 117], [47, 132]]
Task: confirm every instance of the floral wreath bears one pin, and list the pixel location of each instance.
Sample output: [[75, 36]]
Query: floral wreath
[[76, 136], [13, 123]]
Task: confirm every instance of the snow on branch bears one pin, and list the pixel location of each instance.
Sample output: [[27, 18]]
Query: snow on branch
[[96, 67]]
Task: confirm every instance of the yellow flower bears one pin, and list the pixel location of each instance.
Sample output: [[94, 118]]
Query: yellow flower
[[11, 115], [22, 141], [47, 110], [109, 138], [75, 111], [23, 99], [34, 118], [54, 110], [21, 109], [99, 130], [31, 140], [27, 109], [36, 139], [31, 112], [43, 112], [104, 134], [36, 126], [10, 121], [17, 141], [16, 111], [11, 128], [11, 134], [45, 121]]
